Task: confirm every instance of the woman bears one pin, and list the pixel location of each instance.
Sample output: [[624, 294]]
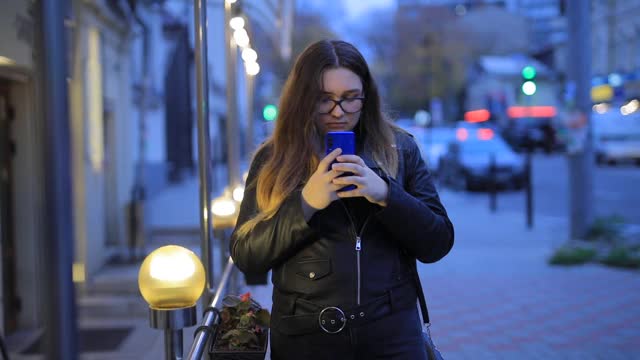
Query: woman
[[342, 261]]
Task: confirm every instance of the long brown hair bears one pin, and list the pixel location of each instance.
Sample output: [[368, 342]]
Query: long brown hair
[[294, 146]]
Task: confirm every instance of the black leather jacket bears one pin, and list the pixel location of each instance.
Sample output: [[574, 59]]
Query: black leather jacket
[[352, 251]]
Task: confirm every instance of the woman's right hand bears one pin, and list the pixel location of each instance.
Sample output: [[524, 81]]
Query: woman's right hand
[[320, 190]]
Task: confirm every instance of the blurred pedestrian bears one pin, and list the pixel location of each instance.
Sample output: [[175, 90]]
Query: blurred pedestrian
[[342, 261]]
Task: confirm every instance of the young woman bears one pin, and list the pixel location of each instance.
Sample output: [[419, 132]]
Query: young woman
[[342, 261]]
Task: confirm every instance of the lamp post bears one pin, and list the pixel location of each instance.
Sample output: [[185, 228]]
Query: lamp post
[[233, 159], [225, 209], [580, 159], [204, 165], [239, 40], [251, 69], [171, 279], [57, 301]]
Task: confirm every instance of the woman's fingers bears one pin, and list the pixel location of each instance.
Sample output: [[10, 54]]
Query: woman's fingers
[[324, 164], [353, 159], [349, 180], [348, 167]]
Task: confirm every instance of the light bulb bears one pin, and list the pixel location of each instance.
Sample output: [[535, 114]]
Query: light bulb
[[171, 277]]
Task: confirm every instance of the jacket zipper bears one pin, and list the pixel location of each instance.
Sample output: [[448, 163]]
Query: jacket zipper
[[358, 248]]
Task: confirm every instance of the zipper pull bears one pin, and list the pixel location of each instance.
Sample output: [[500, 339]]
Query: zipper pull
[[358, 243]]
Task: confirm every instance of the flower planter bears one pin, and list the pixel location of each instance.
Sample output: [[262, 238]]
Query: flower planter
[[226, 354], [243, 330]]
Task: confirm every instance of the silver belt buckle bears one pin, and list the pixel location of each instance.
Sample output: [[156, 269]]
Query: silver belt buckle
[[332, 320]]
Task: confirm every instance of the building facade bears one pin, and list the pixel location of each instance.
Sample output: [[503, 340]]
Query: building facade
[[615, 46], [100, 141], [131, 119], [21, 190]]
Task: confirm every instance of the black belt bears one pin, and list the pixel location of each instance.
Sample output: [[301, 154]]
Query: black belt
[[333, 319]]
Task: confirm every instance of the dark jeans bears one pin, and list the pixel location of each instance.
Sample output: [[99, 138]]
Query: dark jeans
[[397, 336]]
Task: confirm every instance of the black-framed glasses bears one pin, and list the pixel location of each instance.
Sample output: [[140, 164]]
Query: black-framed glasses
[[348, 105]]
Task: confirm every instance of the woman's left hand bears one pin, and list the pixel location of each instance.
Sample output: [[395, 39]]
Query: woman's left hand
[[368, 183]]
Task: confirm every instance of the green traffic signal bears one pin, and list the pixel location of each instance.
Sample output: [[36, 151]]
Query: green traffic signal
[[528, 72], [270, 112]]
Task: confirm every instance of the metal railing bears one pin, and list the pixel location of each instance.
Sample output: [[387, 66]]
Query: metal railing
[[211, 316]]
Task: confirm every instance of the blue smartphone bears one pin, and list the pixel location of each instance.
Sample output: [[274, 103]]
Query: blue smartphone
[[346, 140]]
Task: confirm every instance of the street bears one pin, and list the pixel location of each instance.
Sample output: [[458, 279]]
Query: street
[[615, 190]]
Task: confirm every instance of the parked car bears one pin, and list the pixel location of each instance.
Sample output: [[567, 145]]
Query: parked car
[[467, 162], [528, 134], [616, 138], [432, 142], [434, 146]]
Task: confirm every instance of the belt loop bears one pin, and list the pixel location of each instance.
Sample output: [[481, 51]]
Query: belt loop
[[390, 293]]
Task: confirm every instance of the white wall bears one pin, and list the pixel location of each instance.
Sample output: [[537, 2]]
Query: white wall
[[102, 175], [87, 184]]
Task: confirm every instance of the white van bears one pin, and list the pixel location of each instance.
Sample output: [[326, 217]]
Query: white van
[[616, 137]]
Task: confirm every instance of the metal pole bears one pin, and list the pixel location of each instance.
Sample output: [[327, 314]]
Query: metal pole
[[173, 341], [56, 253], [492, 183], [581, 161], [172, 321], [233, 157], [204, 146], [250, 116], [529, 190]]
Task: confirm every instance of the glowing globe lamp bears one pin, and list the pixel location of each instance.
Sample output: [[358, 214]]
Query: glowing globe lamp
[[225, 209], [171, 277]]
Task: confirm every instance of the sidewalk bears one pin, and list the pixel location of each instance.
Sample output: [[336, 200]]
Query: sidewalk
[[495, 297], [492, 297]]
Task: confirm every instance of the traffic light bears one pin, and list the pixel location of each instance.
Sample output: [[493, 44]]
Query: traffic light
[[270, 112], [528, 80]]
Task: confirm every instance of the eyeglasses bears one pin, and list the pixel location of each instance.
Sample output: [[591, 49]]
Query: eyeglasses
[[348, 105]]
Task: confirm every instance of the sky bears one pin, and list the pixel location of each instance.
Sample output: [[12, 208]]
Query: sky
[[355, 11], [353, 8]]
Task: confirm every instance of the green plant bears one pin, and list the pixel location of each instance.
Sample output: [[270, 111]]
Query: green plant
[[243, 324], [572, 256], [608, 228], [622, 257]]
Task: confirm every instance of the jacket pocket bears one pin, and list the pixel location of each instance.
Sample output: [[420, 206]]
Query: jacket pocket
[[312, 270], [308, 276]]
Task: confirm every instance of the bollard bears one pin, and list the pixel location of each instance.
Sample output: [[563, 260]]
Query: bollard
[[172, 321], [492, 184], [528, 190], [172, 299]]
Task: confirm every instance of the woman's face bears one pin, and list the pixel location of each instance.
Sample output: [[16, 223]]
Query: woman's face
[[339, 84]]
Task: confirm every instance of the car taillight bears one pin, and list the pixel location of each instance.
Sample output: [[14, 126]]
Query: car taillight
[[462, 134], [485, 134]]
